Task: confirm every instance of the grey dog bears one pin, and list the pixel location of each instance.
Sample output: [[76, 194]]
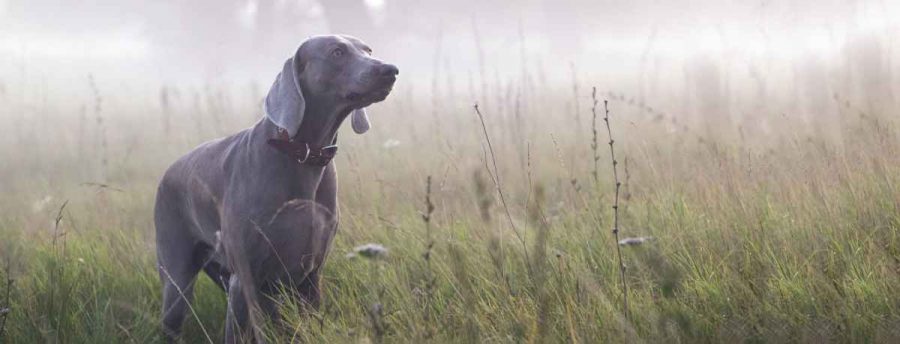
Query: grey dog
[[257, 210]]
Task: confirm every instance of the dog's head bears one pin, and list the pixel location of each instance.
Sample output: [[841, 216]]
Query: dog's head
[[336, 72]]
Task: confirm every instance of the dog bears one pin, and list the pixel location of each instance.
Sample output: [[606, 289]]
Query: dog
[[257, 210]]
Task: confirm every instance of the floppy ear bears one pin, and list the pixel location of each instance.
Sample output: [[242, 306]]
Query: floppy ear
[[359, 120], [284, 104]]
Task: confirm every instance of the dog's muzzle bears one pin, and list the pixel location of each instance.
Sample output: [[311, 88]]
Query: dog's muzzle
[[378, 82]]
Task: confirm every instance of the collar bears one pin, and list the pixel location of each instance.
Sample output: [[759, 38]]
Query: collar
[[301, 151]]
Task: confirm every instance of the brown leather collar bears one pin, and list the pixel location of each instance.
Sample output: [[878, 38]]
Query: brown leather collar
[[303, 152]]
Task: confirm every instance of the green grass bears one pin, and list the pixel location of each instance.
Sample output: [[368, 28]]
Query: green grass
[[785, 238]]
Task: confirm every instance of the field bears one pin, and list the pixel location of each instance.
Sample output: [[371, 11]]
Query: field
[[783, 232]]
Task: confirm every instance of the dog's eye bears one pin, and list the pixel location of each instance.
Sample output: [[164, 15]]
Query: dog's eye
[[337, 52]]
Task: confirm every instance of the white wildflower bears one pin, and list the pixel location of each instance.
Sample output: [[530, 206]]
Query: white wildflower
[[635, 241], [371, 251]]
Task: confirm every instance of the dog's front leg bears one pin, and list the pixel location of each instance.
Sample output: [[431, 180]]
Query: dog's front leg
[[242, 287], [238, 312]]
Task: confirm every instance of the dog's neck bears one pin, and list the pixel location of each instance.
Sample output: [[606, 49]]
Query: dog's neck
[[270, 161], [315, 142]]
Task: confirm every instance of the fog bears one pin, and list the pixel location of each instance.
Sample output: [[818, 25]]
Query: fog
[[724, 53]]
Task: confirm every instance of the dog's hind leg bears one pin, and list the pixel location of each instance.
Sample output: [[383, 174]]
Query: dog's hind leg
[[178, 265]]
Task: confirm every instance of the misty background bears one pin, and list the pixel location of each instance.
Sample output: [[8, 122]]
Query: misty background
[[677, 58]]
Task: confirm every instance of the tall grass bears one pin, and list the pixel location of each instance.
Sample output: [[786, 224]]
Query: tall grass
[[781, 236]]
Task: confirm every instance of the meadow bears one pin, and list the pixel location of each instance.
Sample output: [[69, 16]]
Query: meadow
[[785, 231]]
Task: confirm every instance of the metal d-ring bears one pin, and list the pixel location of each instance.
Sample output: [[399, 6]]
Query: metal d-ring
[[305, 156]]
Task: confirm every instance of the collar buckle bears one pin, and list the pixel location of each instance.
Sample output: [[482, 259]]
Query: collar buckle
[[302, 152]]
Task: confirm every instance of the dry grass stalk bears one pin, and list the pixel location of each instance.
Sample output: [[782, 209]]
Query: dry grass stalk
[[495, 177], [431, 279], [615, 207], [101, 128], [56, 269], [595, 148]]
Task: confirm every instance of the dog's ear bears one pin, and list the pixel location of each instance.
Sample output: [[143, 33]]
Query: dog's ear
[[359, 120], [284, 104]]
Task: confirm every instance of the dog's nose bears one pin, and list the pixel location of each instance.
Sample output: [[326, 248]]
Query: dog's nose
[[388, 70]]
